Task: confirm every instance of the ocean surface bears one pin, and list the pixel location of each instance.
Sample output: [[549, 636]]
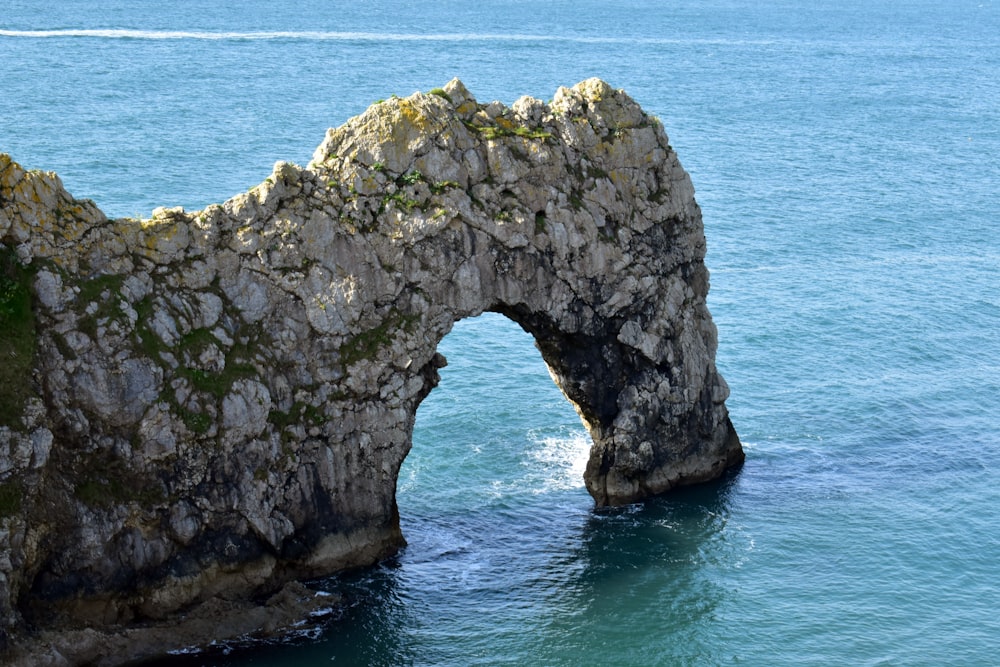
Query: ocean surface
[[846, 155]]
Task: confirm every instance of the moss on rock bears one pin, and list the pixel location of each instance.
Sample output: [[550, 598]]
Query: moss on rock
[[17, 338]]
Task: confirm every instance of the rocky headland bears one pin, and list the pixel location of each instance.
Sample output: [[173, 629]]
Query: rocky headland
[[198, 408]]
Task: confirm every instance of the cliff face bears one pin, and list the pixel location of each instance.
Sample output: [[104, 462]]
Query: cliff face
[[216, 402]]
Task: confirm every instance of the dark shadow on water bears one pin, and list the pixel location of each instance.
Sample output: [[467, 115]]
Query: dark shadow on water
[[568, 573], [677, 529], [647, 580], [361, 631]]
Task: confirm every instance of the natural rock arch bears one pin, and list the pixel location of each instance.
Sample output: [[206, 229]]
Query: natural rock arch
[[221, 400]]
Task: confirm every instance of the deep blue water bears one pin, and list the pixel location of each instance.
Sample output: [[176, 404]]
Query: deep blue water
[[845, 158]]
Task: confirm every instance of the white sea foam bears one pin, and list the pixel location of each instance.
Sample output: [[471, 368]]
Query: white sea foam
[[562, 459], [313, 35]]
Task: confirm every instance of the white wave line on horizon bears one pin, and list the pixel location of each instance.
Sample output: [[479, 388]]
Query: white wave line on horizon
[[118, 33]]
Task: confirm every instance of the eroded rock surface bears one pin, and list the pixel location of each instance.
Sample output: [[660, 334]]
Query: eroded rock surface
[[214, 403]]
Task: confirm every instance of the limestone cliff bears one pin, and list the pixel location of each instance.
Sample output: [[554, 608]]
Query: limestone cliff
[[213, 403]]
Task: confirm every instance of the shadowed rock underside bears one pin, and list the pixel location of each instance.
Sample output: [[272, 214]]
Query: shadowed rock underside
[[214, 403]]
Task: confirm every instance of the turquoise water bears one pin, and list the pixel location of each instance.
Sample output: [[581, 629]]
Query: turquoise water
[[845, 158]]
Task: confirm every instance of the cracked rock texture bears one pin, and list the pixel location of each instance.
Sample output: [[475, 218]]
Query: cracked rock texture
[[214, 403]]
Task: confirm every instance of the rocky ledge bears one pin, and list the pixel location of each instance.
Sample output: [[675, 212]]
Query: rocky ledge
[[204, 406]]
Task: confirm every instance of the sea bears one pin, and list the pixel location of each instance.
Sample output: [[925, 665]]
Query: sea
[[846, 157]]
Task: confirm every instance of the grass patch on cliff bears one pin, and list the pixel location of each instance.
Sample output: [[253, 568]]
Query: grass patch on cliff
[[440, 92], [108, 309], [238, 364], [197, 340], [401, 200], [490, 132], [410, 178], [110, 483], [366, 345], [300, 413], [92, 289], [540, 222], [440, 186], [198, 422], [217, 384], [17, 338], [10, 498]]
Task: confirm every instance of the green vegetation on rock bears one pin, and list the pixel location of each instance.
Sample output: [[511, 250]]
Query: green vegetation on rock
[[109, 308], [440, 92], [10, 498], [105, 481], [367, 344], [410, 178], [299, 412], [496, 132], [539, 222], [91, 290], [17, 337], [440, 186]]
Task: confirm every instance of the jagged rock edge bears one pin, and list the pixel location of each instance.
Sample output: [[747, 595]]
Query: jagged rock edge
[[220, 400]]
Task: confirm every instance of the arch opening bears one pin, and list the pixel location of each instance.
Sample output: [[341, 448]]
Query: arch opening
[[495, 429]]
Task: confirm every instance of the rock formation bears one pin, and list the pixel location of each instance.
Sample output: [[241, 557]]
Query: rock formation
[[214, 403]]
